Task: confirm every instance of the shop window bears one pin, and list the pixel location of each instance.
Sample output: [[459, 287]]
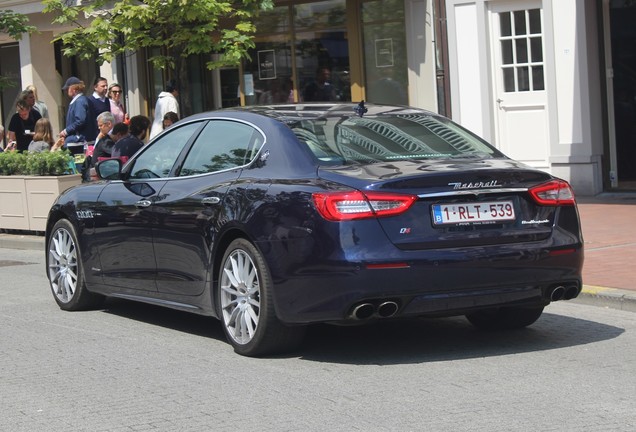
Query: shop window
[[385, 60]]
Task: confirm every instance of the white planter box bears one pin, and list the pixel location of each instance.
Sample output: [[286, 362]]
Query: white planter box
[[25, 201]]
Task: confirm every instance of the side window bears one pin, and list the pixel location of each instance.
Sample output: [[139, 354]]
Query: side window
[[222, 145], [157, 159]]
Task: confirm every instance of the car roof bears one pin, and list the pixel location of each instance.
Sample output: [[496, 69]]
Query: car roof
[[287, 113]]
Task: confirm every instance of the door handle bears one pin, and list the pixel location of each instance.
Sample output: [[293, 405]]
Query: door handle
[[211, 200], [143, 203]]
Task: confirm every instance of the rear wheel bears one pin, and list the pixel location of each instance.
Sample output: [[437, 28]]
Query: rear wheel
[[247, 307], [65, 270], [505, 317]]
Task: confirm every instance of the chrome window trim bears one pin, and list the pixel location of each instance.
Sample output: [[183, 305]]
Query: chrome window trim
[[256, 155], [472, 192]]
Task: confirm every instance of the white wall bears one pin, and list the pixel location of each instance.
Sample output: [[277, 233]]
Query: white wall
[[468, 64], [572, 66], [420, 45], [574, 154]]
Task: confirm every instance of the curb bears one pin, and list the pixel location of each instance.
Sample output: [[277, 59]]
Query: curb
[[607, 297], [19, 241]]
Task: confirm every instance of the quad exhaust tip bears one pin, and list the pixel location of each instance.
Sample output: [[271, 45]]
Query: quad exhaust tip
[[562, 292], [366, 310]]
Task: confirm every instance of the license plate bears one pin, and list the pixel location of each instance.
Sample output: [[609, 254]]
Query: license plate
[[497, 211]]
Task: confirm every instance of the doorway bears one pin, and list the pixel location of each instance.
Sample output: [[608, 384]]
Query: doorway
[[522, 117], [622, 16]]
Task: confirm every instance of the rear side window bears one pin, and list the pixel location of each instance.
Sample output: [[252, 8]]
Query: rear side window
[[157, 159], [222, 145], [408, 136]]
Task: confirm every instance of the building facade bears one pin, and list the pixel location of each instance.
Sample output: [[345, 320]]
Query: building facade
[[549, 82]]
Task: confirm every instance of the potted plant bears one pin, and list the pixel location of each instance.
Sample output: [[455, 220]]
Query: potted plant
[[29, 183]]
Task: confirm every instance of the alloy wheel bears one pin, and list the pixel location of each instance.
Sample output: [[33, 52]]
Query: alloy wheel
[[240, 296], [63, 266]]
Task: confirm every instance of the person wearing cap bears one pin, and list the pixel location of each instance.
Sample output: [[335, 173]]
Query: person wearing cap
[[79, 117], [166, 102]]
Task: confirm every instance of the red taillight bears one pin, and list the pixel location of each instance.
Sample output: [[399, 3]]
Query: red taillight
[[338, 206], [555, 192]]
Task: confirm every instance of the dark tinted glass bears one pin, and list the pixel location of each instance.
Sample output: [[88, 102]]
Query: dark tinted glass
[[410, 136], [534, 16], [522, 50], [523, 79], [537, 78], [536, 49], [158, 159], [520, 23], [221, 145], [504, 22], [506, 52]]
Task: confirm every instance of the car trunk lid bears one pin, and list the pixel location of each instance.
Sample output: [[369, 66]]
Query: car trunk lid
[[463, 202]]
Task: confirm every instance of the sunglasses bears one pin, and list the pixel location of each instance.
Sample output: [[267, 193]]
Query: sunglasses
[[115, 91]]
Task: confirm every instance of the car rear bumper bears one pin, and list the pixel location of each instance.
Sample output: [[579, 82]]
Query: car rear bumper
[[430, 284]]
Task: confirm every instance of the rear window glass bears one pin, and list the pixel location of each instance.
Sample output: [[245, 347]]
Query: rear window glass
[[408, 136]]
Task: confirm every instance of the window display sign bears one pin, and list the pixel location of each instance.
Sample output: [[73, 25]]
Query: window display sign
[[383, 53], [266, 65], [248, 80]]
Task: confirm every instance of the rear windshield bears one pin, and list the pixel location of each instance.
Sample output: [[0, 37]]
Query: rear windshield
[[409, 136]]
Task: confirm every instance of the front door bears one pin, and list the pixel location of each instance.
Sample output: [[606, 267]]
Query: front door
[[123, 236], [522, 119]]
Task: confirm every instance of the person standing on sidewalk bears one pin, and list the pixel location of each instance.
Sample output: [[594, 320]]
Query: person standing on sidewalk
[[116, 106], [166, 102], [79, 117], [99, 102], [22, 125], [38, 105]]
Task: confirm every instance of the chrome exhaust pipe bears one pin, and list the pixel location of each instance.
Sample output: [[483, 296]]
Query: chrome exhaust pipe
[[387, 309], [571, 292], [363, 311], [557, 293]]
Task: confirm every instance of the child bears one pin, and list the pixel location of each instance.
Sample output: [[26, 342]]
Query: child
[[43, 137]]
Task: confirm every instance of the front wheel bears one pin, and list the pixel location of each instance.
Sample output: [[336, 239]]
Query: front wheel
[[247, 307], [505, 318], [65, 270]]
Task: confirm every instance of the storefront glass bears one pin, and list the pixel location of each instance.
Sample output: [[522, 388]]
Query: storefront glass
[[385, 61], [301, 54], [303, 50]]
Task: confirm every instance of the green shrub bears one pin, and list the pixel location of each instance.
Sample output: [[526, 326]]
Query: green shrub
[[40, 164]]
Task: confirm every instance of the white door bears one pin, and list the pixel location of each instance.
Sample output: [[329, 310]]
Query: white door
[[521, 101]]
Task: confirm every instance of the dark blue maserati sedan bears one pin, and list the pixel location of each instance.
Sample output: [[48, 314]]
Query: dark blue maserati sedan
[[271, 218]]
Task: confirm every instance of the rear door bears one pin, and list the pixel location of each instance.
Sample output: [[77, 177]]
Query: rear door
[[194, 204]]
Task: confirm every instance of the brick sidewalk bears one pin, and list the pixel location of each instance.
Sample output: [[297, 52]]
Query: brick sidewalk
[[610, 241]]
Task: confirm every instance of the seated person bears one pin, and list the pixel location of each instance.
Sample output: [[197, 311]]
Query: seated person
[[128, 146], [104, 144], [120, 130], [169, 119]]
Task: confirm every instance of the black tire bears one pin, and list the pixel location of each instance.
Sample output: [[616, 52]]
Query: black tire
[[65, 270], [246, 306], [505, 318]]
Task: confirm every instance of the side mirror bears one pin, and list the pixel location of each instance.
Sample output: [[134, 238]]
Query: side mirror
[[109, 169]]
